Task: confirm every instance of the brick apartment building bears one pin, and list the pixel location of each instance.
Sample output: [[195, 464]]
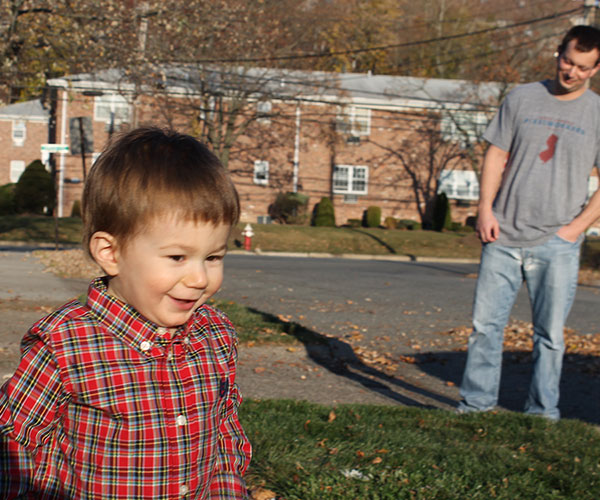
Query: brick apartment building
[[23, 128], [359, 139]]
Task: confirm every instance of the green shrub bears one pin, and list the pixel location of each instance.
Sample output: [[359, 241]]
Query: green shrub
[[354, 222], [324, 214], [76, 209], [390, 223], [407, 224], [372, 216], [35, 193], [441, 213], [7, 199], [289, 208]]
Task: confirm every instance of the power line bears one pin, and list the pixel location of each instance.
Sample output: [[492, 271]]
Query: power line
[[394, 46]]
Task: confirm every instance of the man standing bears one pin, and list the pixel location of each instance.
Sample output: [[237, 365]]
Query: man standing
[[544, 142]]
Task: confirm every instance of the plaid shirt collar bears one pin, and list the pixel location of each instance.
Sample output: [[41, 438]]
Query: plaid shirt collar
[[127, 324]]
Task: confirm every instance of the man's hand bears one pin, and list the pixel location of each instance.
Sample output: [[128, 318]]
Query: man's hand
[[487, 227], [568, 233]]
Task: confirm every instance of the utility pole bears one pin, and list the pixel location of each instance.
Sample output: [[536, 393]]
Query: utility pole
[[589, 12]]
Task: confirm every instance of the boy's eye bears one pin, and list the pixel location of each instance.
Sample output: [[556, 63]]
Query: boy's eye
[[176, 258], [215, 258]]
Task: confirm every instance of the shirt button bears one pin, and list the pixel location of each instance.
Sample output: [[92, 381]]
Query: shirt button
[[170, 356], [145, 346], [187, 341], [181, 420], [161, 330], [183, 490]]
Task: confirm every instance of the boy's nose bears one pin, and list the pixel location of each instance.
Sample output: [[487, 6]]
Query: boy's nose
[[196, 278]]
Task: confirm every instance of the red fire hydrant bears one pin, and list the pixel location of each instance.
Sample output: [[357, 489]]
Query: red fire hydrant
[[248, 233]]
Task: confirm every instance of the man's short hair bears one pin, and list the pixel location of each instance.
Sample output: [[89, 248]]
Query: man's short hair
[[588, 38], [151, 172]]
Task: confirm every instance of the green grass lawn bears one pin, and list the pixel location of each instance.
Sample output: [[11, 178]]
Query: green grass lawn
[[39, 229], [307, 451], [274, 237], [278, 238]]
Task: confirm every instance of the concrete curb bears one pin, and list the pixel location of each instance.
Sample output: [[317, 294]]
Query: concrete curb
[[30, 246], [320, 255]]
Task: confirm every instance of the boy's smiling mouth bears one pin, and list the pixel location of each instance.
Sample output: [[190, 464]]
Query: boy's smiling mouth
[[185, 304]]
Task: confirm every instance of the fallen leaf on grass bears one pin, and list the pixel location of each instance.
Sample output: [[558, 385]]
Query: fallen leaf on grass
[[259, 369], [262, 494]]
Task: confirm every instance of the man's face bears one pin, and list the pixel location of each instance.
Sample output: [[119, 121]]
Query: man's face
[[170, 268], [574, 68]]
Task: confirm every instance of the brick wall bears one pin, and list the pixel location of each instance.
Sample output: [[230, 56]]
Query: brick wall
[[36, 134], [320, 148]]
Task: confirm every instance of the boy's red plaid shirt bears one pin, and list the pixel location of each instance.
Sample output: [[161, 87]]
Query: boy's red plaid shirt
[[106, 405]]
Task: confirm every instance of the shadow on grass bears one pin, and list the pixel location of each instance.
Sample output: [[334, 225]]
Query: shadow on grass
[[338, 357], [579, 387], [378, 240]]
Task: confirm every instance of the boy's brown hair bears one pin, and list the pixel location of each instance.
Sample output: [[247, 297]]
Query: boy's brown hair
[[149, 172]]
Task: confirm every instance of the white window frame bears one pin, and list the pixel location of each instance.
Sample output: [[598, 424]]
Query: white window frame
[[459, 185], [19, 132], [353, 121], [464, 127], [263, 112], [347, 179], [17, 167], [106, 104], [261, 172]]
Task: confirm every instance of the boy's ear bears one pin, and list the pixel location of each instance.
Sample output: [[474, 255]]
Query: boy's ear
[[103, 248]]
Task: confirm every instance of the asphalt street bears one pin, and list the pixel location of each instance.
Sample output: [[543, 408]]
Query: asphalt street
[[409, 297]]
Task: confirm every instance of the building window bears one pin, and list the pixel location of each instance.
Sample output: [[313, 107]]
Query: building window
[[261, 172], [350, 179], [263, 111], [463, 127], [353, 121], [16, 169], [19, 132], [112, 108], [459, 184]]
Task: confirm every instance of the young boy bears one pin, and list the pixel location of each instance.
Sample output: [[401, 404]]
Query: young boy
[[132, 394]]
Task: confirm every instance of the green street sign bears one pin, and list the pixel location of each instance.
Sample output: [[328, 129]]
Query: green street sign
[[55, 148]]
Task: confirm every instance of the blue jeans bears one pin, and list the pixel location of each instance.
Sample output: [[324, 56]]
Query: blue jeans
[[550, 271]]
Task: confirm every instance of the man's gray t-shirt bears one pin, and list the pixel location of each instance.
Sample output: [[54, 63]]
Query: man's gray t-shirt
[[553, 146]]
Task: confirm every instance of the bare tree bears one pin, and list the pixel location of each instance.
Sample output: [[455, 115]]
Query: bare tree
[[423, 153]]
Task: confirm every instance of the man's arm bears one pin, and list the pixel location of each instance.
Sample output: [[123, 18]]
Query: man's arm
[[585, 219], [487, 227]]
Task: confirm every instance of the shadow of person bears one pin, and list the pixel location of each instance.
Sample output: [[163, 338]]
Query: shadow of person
[[579, 386], [339, 357], [378, 240]]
